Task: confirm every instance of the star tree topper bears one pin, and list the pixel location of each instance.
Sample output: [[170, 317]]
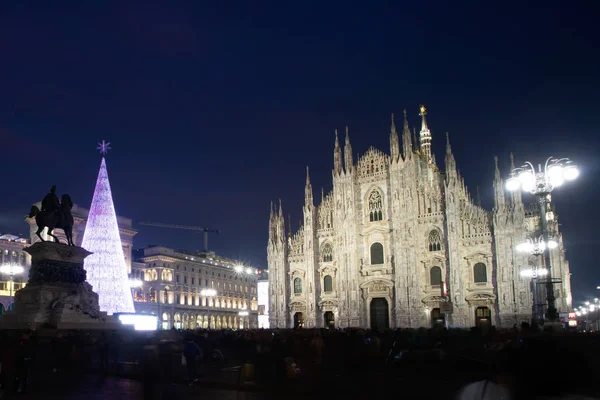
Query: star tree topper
[[103, 147]]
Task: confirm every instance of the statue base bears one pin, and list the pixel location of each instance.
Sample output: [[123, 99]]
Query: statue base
[[57, 295]]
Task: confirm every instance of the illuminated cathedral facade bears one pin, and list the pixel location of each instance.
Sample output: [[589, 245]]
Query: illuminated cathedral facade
[[400, 243]]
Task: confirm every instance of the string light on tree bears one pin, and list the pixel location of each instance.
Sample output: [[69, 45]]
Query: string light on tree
[[106, 269]]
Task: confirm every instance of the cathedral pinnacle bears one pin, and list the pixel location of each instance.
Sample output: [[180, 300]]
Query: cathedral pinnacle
[[348, 161], [337, 156], [499, 196], [425, 136], [394, 144], [407, 143], [450, 161], [308, 193]]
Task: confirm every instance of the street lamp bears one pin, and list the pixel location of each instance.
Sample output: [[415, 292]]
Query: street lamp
[[541, 183], [208, 293], [11, 270]]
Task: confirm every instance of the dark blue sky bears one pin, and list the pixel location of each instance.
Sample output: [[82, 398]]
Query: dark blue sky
[[214, 111]]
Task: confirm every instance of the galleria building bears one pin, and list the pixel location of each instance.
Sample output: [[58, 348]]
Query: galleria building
[[397, 241]]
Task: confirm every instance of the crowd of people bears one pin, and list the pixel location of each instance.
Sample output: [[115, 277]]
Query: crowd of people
[[526, 364]]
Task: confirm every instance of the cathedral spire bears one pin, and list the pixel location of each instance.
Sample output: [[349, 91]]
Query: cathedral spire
[[425, 136], [499, 197], [394, 144], [478, 197], [415, 143], [271, 222], [337, 156], [280, 224], [289, 226], [348, 162], [407, 144], [450, 161], [308, 193], [516, 194]]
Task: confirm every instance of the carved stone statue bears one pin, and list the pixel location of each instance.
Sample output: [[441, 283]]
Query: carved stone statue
[[54, 214]]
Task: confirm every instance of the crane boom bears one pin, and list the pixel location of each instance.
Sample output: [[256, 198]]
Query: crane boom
[[185, 227]]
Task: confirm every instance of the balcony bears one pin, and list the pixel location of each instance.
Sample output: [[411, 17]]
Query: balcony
[[479, 286]]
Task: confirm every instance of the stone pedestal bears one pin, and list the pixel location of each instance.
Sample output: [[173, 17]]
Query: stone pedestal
[[57, 294]]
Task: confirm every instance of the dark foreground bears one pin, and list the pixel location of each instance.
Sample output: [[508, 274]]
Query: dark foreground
[[353, 365]]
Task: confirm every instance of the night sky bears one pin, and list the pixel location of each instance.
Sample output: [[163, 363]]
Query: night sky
[[215, 111]]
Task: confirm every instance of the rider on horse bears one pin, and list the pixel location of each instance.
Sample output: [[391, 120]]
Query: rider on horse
[[51, 203]]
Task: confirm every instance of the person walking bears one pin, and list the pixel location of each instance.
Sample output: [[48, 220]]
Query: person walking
[[191, 351]]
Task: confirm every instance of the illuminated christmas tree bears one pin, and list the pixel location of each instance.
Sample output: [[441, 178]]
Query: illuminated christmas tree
[[106, 269]]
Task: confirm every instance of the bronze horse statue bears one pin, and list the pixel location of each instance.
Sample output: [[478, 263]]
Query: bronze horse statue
[[60, 218]]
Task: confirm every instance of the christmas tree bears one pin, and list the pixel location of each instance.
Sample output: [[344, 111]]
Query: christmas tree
[[106, 269]]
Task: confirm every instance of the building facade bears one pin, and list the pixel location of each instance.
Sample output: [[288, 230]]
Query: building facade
[[400, 243], [173, 283], [11, 252]]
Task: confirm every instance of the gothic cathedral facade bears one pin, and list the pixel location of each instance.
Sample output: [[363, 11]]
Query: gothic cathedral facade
[[399, 243]]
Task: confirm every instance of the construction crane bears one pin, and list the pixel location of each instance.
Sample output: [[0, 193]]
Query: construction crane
[[186, 227]]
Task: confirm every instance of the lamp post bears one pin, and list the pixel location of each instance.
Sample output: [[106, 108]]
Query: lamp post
[[11, 270], [536, 308], [541, 183], [208, 293]]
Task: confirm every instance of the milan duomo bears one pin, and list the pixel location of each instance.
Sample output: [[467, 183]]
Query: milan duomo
[[397, 238]]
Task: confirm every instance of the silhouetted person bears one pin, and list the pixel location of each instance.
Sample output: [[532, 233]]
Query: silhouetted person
[[51, 202], [191, 351]]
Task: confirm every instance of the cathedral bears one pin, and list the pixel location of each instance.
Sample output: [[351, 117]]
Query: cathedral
[[400, 243]]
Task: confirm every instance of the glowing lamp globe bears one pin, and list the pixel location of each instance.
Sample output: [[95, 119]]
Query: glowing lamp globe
[[238, 268], [555, 175], [527, 273], [248, 270], [525, 177], [525, 247], [552, 244], [513, 184], [570, 173]]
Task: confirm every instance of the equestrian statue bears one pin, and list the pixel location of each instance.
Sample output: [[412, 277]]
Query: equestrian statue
[[54, 214]]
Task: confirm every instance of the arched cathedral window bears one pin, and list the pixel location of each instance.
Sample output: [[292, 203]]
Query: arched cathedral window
[[480, 273], [435, 276], [297, 285], [435, 241], [375, 206], [328, 284], [327, 253], [376, 253]]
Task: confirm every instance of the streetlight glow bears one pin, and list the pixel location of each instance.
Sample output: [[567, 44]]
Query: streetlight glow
[[135, 283], [238, 268], [540, 183], [208, 292], [11, 269]]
